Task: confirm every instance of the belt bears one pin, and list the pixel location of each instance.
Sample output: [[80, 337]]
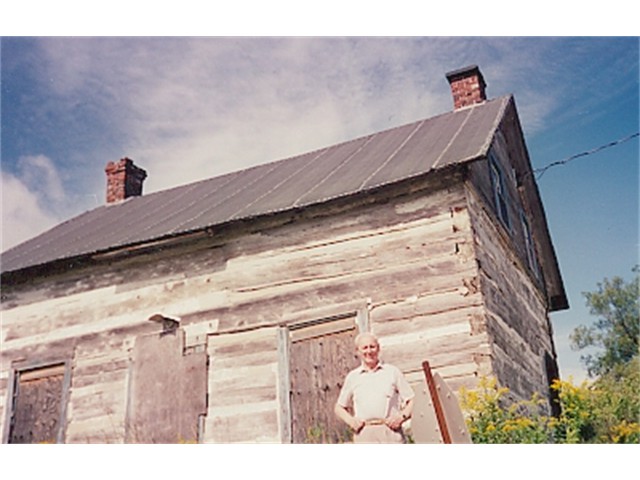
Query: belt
[[374, 421]]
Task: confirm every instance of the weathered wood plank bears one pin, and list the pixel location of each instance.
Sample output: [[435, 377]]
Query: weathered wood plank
[[426, 305], [458, 326], [258, 358], [355, 257], [517, 350], [66, 339], [323, 329], [168, 390], [229, 387], [99, 400], [400, 281], [423, 323], [98, 429], [99, 374], [284, 385], [467, 381], [409, 355], [106, 311], [222, 347], [244, 426], [521, 383]]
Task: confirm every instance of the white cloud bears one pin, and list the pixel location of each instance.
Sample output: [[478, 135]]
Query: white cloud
[[33, 200], [38, 173], [22, 214]]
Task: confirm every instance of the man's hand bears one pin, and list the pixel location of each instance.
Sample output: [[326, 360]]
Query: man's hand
[[356, 424], [395, 422], [343, 414]]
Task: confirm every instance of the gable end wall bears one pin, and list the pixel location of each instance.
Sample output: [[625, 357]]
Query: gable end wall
[[515, 299]]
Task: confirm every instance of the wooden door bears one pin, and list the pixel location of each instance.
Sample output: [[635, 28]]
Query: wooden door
[[320, 358], [38, 406]]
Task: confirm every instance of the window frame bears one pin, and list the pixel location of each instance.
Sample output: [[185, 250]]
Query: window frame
[[500, 194], [12, 392], [529, 245]]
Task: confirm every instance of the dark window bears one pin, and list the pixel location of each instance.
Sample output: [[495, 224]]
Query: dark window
[[500, 195], [37, 415]]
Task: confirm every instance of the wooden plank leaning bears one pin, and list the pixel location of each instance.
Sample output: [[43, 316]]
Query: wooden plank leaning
[[437, 417]]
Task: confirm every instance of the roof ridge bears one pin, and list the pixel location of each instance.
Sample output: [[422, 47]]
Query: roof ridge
[[340, 143]]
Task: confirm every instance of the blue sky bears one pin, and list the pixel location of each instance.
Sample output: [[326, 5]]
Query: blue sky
[[191, 108]]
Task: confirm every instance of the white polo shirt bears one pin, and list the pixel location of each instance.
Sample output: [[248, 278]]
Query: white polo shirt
[[375, 394]]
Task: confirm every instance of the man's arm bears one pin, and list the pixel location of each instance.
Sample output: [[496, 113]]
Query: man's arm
[[343, 414]]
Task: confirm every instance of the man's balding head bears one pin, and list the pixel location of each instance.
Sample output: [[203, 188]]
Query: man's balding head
[[365, 337]]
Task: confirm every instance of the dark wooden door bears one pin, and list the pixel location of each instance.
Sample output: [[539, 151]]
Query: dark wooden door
[[319, 363], [37, 410]]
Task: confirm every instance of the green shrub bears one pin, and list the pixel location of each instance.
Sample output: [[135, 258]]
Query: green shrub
[[605, 411]]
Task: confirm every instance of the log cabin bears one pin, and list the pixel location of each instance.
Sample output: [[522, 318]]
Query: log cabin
[[224, 311]]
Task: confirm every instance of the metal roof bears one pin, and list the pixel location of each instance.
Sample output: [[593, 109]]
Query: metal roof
[[336, 171]]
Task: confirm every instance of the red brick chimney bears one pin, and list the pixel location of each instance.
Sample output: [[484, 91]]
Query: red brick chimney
[[467, 86], [124, 180]]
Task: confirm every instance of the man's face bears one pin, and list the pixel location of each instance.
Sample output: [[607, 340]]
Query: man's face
[[368, 350]]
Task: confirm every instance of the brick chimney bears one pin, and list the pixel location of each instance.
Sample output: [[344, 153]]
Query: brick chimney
[[467, 86], [124, 180]]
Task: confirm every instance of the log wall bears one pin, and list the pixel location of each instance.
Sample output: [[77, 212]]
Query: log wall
[[516, 312]]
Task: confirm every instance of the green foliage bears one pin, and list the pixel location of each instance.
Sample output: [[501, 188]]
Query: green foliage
[[617, 328], [618, 403], [491, 420], [606, 411], [576, 422]]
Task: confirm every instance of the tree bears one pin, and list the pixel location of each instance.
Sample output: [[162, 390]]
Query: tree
[[618, 404], [617, 328]]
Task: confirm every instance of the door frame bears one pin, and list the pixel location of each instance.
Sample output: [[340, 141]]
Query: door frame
[[359, 311], [14, 377]]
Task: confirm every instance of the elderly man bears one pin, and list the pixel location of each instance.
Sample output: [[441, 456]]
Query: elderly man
[[375, 399]]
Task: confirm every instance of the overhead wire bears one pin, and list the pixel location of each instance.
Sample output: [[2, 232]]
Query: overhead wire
[[542, 170]]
